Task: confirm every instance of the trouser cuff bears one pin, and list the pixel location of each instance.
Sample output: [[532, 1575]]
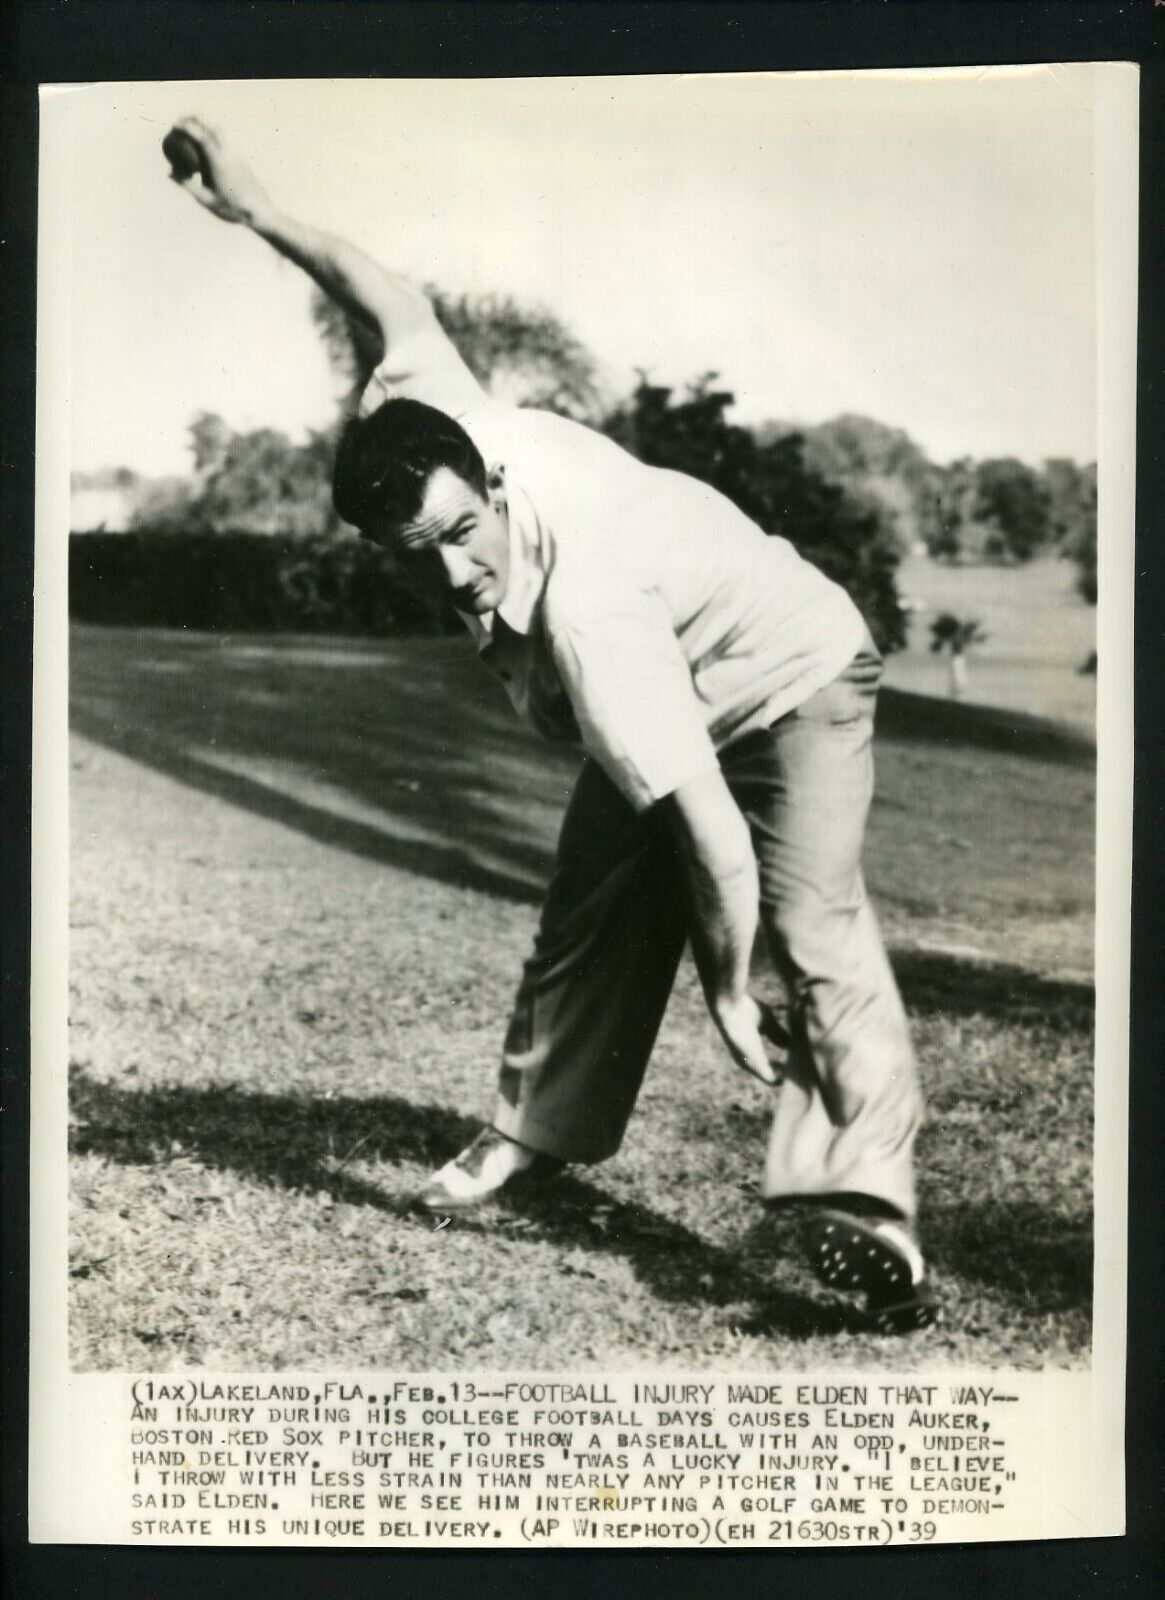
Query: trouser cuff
[[516, 1124], [863, 1195]]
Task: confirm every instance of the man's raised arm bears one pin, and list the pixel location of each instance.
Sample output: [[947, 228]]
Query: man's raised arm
[[391, 309]]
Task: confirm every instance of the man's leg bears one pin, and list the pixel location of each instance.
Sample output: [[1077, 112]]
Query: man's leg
[[595, 988], [847, 1115]]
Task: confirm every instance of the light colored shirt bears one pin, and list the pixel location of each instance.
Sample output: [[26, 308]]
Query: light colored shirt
[[644, 615]]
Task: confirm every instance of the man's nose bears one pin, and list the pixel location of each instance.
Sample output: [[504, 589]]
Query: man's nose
[[457, 566]]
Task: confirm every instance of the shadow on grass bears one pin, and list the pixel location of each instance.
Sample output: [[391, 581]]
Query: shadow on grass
[[300, 1143], [935, 983], [904, 715], [442, 779], [400, 751], [1038, 1256], [455, 863], [1041, 1259], [405, 753]]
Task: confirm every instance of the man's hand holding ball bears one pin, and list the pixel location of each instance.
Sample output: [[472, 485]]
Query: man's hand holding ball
[[215, 175], [183, 153]]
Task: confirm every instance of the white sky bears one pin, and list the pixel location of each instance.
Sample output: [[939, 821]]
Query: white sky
[[916, 247]]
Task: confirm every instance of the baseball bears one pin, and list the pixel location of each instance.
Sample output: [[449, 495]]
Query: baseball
[[182, 152]]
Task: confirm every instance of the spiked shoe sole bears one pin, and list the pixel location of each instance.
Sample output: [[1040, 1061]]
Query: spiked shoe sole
[[851, 1253]]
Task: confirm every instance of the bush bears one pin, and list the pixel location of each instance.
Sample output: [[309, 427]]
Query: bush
[[243, 581]]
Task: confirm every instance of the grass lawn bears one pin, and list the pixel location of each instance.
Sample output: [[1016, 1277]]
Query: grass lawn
[[305, 872], [1039, 634]]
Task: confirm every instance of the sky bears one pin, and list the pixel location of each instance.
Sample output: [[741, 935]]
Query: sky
[[915, 247]]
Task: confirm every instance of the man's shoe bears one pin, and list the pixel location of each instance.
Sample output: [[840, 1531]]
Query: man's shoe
[[917, 1309], [482, 1170], [878, 1259]]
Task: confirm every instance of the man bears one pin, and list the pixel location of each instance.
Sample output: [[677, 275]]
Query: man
[[723, 690]]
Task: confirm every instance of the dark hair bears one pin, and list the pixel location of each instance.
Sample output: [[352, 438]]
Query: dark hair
[[384, 462]]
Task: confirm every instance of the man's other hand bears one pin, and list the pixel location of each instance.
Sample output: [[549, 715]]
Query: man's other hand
[[744, 1026], [723, 891], [223, 182]]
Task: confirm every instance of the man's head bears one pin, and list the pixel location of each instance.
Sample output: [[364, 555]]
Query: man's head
[[412, 480]]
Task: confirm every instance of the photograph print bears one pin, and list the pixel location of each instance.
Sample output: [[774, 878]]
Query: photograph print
[[582, 722]]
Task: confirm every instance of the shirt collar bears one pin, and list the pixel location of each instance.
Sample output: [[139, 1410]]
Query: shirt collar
[[527, 577]]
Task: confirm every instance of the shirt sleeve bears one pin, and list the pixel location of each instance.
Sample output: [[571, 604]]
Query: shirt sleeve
[[631, 688], [424, 366]]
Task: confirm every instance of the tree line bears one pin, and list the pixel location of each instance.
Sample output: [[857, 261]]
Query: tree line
[[852, 494]]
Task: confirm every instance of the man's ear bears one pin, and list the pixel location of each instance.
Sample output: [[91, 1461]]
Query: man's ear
[[495, 479]]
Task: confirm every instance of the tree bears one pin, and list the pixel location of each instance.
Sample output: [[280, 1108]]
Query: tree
[[257, 482], [1083, 552], [352, 349], [1064, 483], [210, 439], [955, 635], [1012, 502], [166, 505], [770, 483], [264, 483], [951, 495], [1072, 503], [878, 464], [524, 353]]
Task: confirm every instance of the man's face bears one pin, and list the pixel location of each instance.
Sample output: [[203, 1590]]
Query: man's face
[[457, 544]]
